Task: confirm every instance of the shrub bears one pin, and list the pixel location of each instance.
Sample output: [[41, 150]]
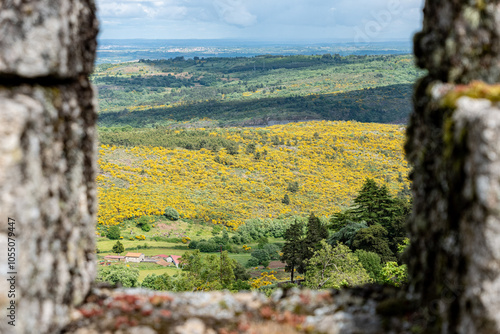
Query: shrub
[[171, 213], [293, 187], [114, 233], [166, 239], [208, 247], [236, 240], [157, 282], [262, 256], [216, 229], [234, 249], [273, 250], [146, 227], [371, 262], [286, 200], [240, 273], [288, 285], [143, 220], [240, 285], [394, 274], [118, 274], [252, 262]]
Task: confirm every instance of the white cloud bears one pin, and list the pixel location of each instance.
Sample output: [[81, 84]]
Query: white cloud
[[234, 12], [252, 19], [127, 9]]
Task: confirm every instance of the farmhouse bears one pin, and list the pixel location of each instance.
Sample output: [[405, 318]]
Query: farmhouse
[[134, 257], [175, 259]]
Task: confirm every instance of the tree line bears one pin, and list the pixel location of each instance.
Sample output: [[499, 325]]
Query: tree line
[[364, 244]]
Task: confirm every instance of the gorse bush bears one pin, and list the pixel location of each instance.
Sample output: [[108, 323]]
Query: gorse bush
[[171, 213]]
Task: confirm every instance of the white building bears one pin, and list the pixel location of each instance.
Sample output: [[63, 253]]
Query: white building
[[134, 257]]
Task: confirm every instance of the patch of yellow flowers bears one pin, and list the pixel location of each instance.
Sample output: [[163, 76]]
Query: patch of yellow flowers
[[266, 278], [329, 160]]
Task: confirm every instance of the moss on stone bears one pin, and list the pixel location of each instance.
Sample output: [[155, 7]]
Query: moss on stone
[[476, 90]]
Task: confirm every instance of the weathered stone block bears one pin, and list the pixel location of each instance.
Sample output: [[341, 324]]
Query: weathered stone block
[[454, 145], [295, 311], [47, 38], [47, 171], [460, 41]]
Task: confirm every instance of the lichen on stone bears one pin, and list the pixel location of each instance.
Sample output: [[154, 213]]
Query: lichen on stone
[[476, 90]]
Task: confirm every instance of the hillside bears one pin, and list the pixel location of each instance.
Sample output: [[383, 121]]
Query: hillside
[[231, 175], [256, 91]]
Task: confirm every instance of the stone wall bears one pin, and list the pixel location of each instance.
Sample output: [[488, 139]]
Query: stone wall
[[47, 157], [454, 146], [352, 311]]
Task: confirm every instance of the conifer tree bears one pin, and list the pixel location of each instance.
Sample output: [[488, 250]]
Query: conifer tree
[[316, 232], [374, 239], [118, 248], [292, 250], [374, 204]]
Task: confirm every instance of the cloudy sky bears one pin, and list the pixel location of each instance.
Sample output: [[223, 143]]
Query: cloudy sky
[[267, 20]]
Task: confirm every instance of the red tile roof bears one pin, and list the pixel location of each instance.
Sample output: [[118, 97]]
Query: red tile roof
[[162, 263], [175, 258]]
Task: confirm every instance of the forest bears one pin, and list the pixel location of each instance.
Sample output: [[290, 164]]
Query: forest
[[254, 91]]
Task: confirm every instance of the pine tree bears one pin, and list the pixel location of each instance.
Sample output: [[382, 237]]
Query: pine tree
[[118, 248], [341, 219], [374, 204], [316, 232], [292, 250]]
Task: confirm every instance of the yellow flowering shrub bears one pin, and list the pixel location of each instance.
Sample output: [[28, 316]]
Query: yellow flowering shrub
[[328, 160], [266, 278]]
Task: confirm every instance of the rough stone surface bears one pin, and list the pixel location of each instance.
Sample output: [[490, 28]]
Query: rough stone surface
[[460, 40], [454, 146], [455, 228], [47, 158], [47, 170], [293, 311], [47, 38], [477, 123]]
